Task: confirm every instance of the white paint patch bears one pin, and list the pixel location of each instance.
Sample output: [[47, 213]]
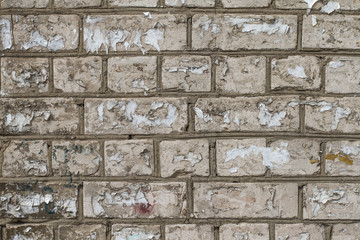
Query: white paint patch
[[153, 36], [304, 236], [148, 15], [6, 34], [297, 72], [54, 43], [336, 64], [273, 157], [268, 28], [200, 114], [270, 119], [206, 25], [330, 7], [351, 150], [100, 110], [191, 157], [25, 78], [322, 196], [195, 70], [313, 20], [134, 233], [19, 120], [117, 158], [310, 4], [241, 236], [38, 167]]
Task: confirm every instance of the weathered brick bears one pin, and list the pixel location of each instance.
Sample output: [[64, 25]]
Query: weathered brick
[[6, 33], [241, 200], [342, 75], [303, 4], [190, 3], [25, 159], [45, 32], [189, 232], [131, 116], [24, 3], [243, 31], [38, 200], [132, 74], [343, 158], [184, 157], [129, 158], [24, 75], [28, 232], [349, 231], [136, 232], [241, 74], [137, 33], [73, 158], [77, 3], [78, 74], [297, 72], [253, 157], [247, 114], [331, 201], [258, 231], [40, 116], [133, 3], [134, 200], [81, 232], [299, 231], [332, 114], [335, 31], [245, 3], [186, 73]]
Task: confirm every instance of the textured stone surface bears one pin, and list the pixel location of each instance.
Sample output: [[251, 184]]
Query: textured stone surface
[[186, 73], [29, 231], [38, 200], [80, 232], [241, 31], [129, 158], [134, 200], [189, 231], [24, 3], [146, 116], [24, 75], [296, 72], [132, 74], [137, 232], [133, 3], [299, 231], [258, 231], [160, 32], [77, 3], [345, 231], [240, 200], [240, 74], [78, 74], [25, 159], [247, 114], [331, 201], [6, 33], [187, 157], [245, 3], [296, 4], [190, 3]]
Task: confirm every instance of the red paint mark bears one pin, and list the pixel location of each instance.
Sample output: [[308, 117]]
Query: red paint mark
[[143, 208]]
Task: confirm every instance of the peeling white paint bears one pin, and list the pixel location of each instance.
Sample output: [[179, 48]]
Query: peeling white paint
[[117, 158], [19, 120], [304, 236], [351, 150], [54, 43], [336, 64], [153, 36], [6, 34], [322, 196], [297, 72], [270, 119], [241, 236], [148, 15], [256, 26], [330, 7], [26, 77], [200, 114], [97, 208], [100, 110], [38, 167], [206, 24], [313, 20], [192, 157], [273, 157], [195, 70], [310, 4], [135, 233]]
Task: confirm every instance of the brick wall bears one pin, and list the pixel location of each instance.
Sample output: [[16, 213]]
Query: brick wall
[[180, 119]]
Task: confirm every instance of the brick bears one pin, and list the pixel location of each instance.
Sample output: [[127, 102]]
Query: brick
[[40, 116], [241, 200], [78, 74], [186, 73], [134, 200], [80, 232], [189, 232], [190, 3], [136, 232], [343, 158], [336, 31], [332, 114], [29, 231], [344, 72], [298, 72], [24, 75], [76, 158], [25, 159], [331, 201], [6, 32], [299, 231], [258, 231], [44, 33], [24, 3], [242, 31], [133, 3], [77, 3], [138, 115], [245, 3], [132, 74], [140, 34], [129, 158], [38, 200], [240, 74], [247, 114], [184, 157], [349, 231], [252, 157], [296, 4]]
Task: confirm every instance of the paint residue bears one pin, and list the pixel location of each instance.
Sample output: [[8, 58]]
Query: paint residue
[[6, 34], [330, 7], [297, 72], [192, 157], [256, 26]]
